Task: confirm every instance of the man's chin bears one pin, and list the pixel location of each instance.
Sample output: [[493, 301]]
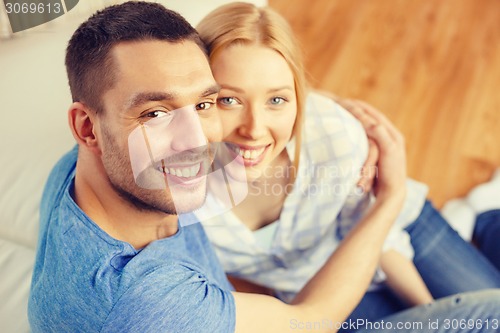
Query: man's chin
[[178, 196], [188, 200]]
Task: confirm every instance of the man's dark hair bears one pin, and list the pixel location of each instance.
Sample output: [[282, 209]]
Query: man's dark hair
[[89, 64]]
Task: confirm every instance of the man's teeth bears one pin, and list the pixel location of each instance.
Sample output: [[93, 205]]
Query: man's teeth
[[183, 172], [249, 154]]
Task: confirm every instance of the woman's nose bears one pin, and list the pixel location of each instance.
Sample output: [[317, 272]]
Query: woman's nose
[[253, 124]]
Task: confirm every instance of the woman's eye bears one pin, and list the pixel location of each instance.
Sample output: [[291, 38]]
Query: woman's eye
[[277, 100], [227, 100], [204, 106]]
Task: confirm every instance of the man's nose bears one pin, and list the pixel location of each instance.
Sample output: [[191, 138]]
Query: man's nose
[[188, 132]]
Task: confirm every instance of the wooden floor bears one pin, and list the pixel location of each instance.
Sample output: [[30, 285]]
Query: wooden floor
[[432, 66]]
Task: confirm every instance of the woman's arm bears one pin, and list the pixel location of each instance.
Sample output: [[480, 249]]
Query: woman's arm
[[404, 279]]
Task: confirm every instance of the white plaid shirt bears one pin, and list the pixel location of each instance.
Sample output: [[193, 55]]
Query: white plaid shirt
[[318, 212]]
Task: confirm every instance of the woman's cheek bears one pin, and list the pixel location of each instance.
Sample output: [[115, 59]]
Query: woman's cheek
[[212, 127]]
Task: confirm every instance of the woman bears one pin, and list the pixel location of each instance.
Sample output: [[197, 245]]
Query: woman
[[302, 154]]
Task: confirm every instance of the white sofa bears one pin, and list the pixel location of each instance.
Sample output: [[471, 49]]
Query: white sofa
[[34, 97]]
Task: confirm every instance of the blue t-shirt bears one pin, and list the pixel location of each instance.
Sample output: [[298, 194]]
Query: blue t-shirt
[[86, 281]]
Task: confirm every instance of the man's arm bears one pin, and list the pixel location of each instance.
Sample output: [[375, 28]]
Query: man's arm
[[338, 287], [244, 286], [402, 275], [404, 279], [335, 290]]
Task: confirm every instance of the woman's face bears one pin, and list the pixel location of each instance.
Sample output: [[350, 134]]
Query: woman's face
[[257, 103]]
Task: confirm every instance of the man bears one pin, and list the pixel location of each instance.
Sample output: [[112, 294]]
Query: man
[[111, 255], [94, 269]]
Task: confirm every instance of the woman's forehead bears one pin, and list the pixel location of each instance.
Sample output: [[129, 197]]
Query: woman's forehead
[[249, 63]]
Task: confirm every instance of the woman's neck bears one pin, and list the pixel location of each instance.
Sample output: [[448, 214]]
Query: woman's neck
[[267, 194]]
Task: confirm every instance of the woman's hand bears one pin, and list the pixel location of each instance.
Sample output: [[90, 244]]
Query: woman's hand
[[368, 171], [385, 143], [391, 166], [386, 151]]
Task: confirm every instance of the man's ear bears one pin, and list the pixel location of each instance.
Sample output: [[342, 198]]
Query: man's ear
[[83, 124]]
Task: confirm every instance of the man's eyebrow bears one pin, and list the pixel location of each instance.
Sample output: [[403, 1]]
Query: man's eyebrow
[[144, 97], [211, 90]]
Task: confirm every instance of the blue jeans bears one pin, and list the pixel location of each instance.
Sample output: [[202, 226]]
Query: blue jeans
[[447, 264], [487, 235], [469, 312]]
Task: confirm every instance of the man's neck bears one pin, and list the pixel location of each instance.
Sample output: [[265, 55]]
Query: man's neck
[[116, 216]]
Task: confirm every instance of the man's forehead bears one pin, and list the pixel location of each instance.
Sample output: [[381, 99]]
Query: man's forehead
[[179, 58], [175, 70]]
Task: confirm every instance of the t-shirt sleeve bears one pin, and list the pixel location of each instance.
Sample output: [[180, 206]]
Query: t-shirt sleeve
[[173, 300]]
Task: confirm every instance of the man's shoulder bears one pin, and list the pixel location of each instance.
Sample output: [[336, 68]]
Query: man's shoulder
[[58, 181], [115, 285]]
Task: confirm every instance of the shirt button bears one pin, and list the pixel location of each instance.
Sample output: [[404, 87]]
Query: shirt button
[[278, 262]]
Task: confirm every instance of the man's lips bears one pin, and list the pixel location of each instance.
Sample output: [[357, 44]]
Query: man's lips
[[182, 171], [185, 165]]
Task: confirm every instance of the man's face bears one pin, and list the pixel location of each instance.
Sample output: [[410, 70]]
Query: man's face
[[155, 125]]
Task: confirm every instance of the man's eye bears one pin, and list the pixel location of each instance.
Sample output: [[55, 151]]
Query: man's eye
[[155, 114], [227, 100], [277, 100], [204, 106]]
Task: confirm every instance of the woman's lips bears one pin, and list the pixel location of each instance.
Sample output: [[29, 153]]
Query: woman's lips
[[250, 155]]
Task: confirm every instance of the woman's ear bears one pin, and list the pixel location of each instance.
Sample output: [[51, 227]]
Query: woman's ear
[[82, 121]]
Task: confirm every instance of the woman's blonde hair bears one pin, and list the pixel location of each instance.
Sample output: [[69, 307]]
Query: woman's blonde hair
[[244, 23]]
